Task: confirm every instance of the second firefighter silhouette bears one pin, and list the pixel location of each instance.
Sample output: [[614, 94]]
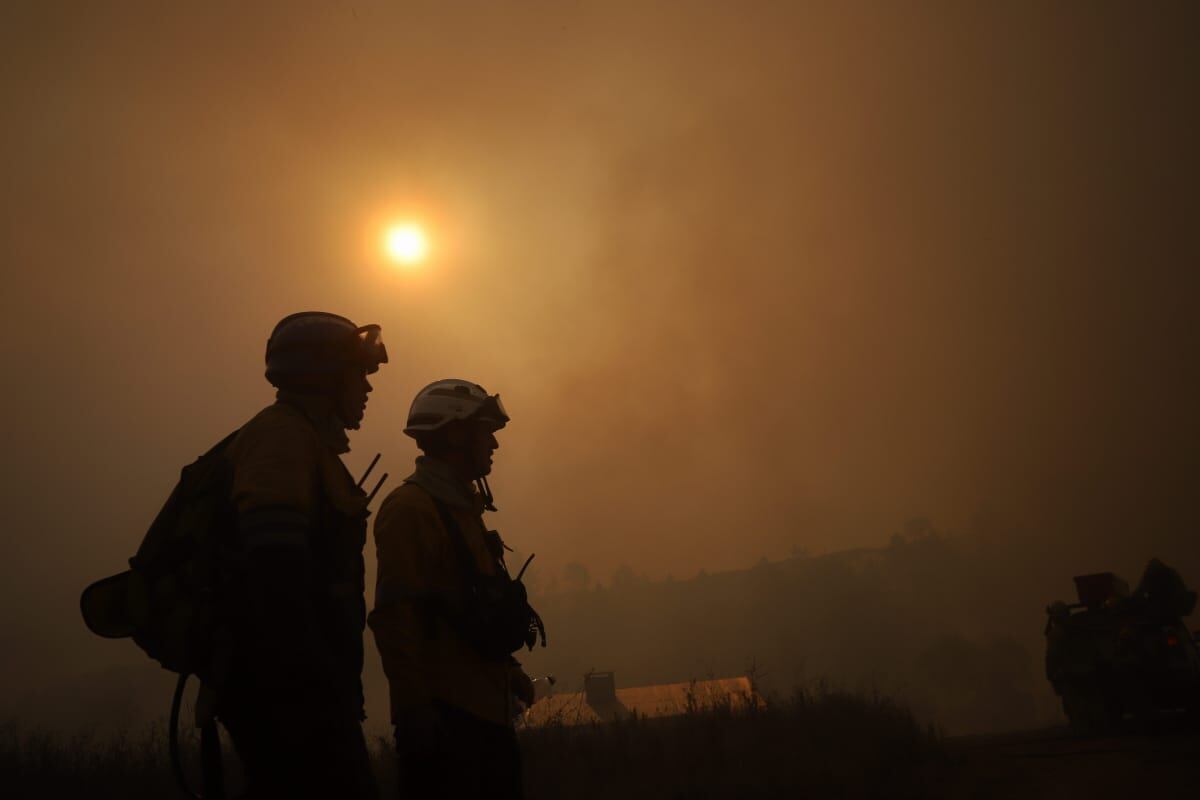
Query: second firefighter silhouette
[[448, 616]]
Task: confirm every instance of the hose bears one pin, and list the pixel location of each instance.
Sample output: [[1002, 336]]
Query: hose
[[173, 740]]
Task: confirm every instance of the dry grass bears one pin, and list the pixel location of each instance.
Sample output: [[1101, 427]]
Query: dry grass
[[816, 744], [813, 744], [37, 764]]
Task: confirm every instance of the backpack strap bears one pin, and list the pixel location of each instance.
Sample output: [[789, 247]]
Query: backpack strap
[[462, 552], [221, 445]]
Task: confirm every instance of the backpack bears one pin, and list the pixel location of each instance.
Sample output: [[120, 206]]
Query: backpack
[[180, 584], [176, 599]]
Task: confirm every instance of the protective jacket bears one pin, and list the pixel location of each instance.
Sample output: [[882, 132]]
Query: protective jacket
[[420, 593], [301, 530]]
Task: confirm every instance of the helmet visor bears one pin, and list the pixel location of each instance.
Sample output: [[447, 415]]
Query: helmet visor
[[492, 411], [369, 348]]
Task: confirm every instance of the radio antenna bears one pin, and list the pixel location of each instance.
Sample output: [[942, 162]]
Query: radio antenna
[[522, 572], [374, 491], [374, 461]]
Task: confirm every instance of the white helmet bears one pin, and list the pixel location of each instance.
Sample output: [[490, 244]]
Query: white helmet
[[447, 400]]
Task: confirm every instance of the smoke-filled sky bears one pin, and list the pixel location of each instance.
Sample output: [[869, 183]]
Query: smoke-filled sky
[[750, 276]]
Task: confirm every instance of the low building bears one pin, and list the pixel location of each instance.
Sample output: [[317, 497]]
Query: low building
[[602, 701]]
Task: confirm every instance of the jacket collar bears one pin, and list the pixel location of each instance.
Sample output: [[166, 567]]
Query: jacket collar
[[438, 478], [319, 411]]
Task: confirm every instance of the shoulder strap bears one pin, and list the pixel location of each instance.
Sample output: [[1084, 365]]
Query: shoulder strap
[[466, 561], [221, 445], [217, 449], [206, 466]]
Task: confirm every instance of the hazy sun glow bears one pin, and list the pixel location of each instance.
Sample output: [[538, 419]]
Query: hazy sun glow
[[405, 244]]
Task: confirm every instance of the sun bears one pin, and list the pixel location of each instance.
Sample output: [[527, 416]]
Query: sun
[[405, 243]]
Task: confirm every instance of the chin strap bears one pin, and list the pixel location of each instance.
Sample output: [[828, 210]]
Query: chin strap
[[485, 492]]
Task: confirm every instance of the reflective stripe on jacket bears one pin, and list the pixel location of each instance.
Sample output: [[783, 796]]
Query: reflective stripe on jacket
[[291, 490]]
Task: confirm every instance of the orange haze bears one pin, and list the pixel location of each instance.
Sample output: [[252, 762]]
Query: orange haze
[[752, 278]]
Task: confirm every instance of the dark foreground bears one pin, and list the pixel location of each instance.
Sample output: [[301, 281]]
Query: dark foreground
[[1055, 765], [819, 744], [813, 745]]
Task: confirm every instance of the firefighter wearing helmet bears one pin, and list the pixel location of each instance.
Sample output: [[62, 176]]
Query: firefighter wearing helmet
[[448, 615], [292, 698]]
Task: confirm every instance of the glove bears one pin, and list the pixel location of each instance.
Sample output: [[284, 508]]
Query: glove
[[521, 685]]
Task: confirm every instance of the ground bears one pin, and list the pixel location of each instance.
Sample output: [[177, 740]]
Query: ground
[[1054, 764]]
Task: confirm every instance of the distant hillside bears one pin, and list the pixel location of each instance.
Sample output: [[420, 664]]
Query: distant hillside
[[949, 625]]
